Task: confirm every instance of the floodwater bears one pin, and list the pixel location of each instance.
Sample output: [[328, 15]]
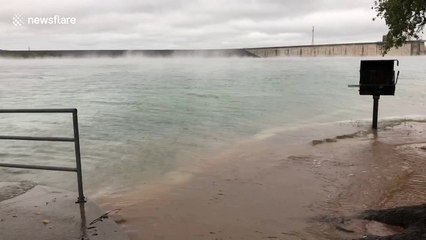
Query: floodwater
[[151, 127], [140, 118]]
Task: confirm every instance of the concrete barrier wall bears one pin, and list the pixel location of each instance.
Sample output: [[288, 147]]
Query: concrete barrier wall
[[412, 48]]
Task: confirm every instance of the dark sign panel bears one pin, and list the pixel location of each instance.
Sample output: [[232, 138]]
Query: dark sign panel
[[377, 77]]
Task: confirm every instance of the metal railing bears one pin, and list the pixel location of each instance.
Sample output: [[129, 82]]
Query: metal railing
[[75, 139]]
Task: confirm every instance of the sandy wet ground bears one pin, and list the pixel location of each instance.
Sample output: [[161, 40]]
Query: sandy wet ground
[[284, 185], [29, 211]]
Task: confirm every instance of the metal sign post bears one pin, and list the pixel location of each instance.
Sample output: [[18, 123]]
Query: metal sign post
[[375, 110], [377, 77]]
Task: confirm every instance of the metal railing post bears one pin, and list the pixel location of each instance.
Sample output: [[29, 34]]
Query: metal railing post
[[81, 198]]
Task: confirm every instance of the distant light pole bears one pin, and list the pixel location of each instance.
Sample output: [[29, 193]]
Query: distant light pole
[[313, 35]]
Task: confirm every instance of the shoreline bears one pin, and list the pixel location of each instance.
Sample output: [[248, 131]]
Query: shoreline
[[268, 188]]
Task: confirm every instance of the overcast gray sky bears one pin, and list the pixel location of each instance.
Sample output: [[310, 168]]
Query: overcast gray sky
[[187, 24]]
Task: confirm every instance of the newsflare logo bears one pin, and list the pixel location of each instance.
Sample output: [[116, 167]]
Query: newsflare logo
[[18, 20]]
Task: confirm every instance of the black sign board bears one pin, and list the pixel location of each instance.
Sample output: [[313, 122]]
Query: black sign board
[[377, 77]]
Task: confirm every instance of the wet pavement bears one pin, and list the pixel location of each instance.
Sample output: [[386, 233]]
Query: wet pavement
[[40, 212]]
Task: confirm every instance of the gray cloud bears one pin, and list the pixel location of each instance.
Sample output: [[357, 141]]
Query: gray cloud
[[165, 24]]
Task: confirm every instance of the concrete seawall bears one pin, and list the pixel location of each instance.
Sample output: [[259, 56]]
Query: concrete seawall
[[127, 53], [412, 48]]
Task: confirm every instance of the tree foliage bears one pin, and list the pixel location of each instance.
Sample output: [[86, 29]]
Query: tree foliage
[[405, 19]]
